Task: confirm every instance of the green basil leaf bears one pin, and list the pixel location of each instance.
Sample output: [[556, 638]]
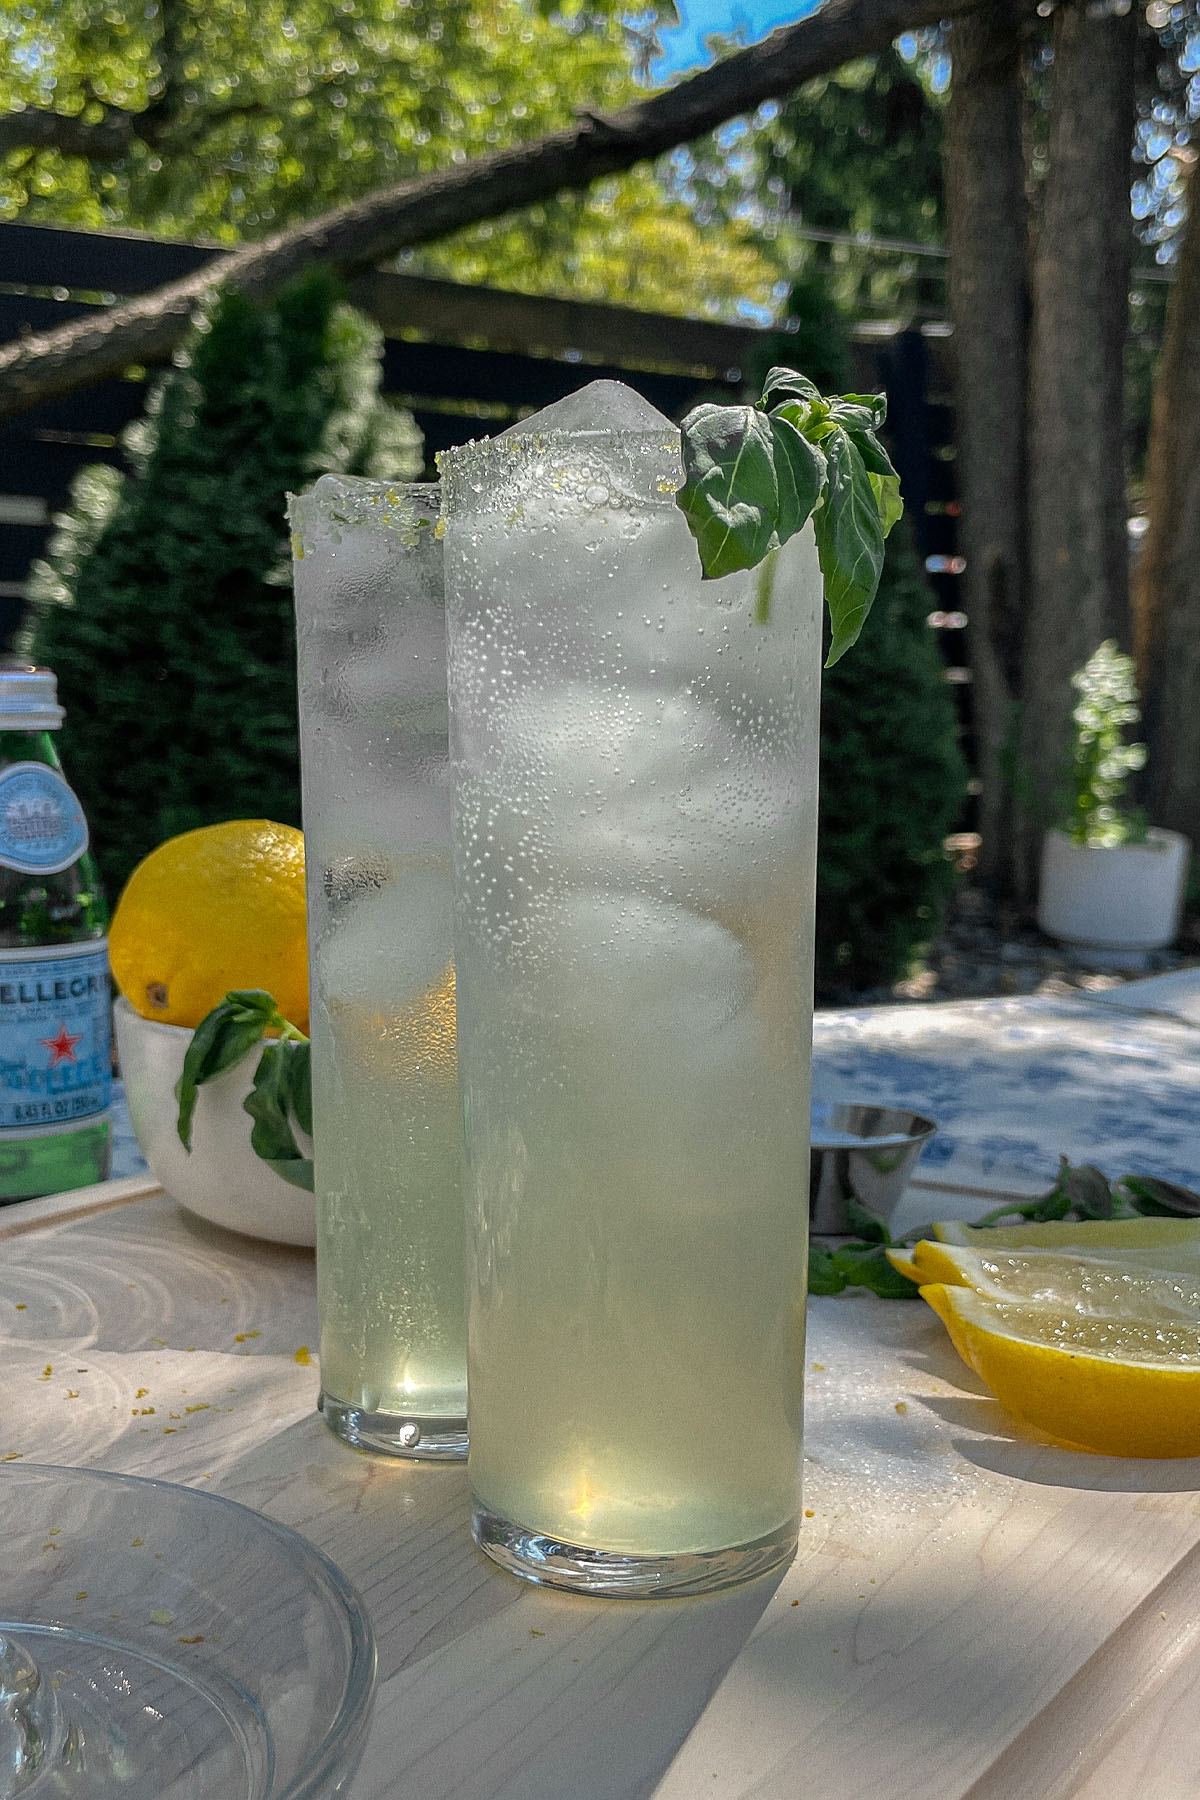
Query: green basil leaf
[[885, 483], [886, 489], [1088, 1192], [788, 384], [219, 1042], [823, 1276], [1161, 1198], [296, 1169], [868, 1225], [867, 1266], [730, 492], [859, 412], [754, 475], [300, 1088], [799, 475], [849, 543], [875, 457], [831, 1270], [1054, 1206], [269, 1104], [751, 482], [255, 1003]]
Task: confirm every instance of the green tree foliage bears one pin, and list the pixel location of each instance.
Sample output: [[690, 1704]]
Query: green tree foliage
[[861, 150], [233, 118], [855, 152], [165, 605], [892, 776]]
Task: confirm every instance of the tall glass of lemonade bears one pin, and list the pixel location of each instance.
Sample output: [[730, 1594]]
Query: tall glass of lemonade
[[386, 1121], [634, 762]]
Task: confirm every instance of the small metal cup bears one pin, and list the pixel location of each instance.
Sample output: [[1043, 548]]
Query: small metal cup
[[864, 1152]]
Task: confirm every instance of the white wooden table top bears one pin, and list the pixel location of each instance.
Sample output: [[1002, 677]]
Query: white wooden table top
[[971, 1613]]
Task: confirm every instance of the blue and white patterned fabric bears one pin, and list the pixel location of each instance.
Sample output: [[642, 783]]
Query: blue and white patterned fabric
[[1014, 1084]]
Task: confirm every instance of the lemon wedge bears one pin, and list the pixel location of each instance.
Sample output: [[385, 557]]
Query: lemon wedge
[[1073, 1234], [1102, 1278], [1157, 1242], [1088, 1331], [1124, 1382]]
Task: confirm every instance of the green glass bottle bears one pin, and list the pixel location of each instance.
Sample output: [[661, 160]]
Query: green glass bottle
[[55, 990]]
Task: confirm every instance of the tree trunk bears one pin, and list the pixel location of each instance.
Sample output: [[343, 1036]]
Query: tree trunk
[[1167, 585], [1078, 543], [988, 242], [354, 236]]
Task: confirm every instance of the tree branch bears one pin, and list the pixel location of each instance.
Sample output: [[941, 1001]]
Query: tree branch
[[104, 140], [355, 236]]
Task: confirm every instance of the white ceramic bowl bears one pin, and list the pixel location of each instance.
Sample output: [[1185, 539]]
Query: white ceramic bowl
[[222, 1179]]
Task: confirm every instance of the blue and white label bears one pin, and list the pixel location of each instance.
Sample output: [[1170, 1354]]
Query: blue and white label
[[42, 827], [55, 1056]]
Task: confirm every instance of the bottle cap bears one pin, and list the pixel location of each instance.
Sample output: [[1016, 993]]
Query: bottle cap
[[28, 697]]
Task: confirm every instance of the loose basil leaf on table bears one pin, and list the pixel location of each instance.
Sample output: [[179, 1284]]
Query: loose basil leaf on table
[[1159, 1199], [833, 1268], [1084, 1192], [1080, 1193]]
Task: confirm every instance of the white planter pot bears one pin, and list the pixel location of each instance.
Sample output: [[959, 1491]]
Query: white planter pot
[[1119, 897]]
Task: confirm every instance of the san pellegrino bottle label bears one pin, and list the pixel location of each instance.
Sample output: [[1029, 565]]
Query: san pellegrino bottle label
[[42, 827], [55, 1063]]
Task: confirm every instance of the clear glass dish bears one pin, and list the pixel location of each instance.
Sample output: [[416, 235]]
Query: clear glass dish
[[158, 1643]]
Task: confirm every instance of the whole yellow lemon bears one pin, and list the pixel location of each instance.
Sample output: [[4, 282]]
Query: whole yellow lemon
[[214, 909]]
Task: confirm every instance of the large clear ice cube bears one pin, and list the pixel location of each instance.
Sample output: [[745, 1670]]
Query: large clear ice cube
[[601, 406]]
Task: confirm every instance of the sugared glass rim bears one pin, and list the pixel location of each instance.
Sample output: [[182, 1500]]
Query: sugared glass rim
[[409, 506], [500, 456]]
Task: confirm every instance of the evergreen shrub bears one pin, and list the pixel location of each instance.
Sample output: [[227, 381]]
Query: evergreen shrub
[[165, 603], [892, 781]]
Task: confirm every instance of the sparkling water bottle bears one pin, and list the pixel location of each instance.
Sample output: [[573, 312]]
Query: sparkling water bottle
[[55, 1059]]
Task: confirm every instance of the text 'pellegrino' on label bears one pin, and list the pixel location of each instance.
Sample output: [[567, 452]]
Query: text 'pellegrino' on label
[[57, 1065]]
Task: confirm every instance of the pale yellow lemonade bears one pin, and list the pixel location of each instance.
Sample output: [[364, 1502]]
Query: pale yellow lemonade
[[387, 1127], [634, 840], [390, 1247]]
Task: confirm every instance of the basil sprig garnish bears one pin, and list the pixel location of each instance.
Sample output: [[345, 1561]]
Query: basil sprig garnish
[[754, 476], [282, 1081]]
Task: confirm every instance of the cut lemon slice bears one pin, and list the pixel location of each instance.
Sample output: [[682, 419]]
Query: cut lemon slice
[[1124, 1384], [1066, 1234], [1107, 1283]]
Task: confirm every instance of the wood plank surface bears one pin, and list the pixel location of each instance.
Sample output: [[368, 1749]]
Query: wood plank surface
[[971, 1614]]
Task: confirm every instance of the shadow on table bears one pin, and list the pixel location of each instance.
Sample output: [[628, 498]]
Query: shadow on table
[[1007, 1447], [490, 1689], [1025, 1458]]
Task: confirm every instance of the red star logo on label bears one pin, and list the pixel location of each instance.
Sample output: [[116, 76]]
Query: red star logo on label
[[61, 1046]]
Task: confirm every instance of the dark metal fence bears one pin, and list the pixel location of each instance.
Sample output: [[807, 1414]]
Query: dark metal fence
[[465, 361]]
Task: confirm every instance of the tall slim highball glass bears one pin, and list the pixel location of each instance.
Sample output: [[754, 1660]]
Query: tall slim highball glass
[[635, 785], [386, 1121]]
